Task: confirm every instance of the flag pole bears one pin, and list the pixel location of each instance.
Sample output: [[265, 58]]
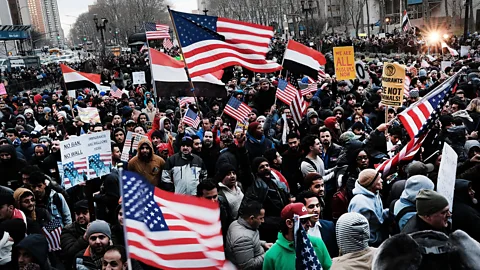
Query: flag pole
[[185, 67]]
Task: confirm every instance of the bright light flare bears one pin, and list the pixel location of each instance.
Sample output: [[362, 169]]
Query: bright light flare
[[445, 36], [433, 37]]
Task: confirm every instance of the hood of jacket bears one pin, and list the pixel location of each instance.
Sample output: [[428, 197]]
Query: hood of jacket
[[470, 144], [353, 232], [462, 114], [413, 185], [10, 149], [372, 202], [161, 123], [147, 142], [461, 191], [284, 243], [37, 246]]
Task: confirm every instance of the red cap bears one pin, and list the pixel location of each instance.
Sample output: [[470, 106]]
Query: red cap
[[295, 209]]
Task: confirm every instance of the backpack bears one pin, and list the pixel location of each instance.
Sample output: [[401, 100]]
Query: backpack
[[340, 202], [394, 228]]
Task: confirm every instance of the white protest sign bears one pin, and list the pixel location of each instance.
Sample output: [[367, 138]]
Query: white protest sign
[[138, 77], [362, 74], [85, 157], [89, 115], [130, 145], [72, 94], [447, 174], [464, 50], [446, 64]]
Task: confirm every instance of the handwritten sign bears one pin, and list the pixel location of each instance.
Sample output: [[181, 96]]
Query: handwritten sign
[[138, 77], [344, 60], [393, 80], [447, 174]]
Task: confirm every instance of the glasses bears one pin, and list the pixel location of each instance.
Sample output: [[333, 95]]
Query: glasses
[[362, 158]]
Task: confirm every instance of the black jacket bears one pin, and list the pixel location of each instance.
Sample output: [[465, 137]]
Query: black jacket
[[416, 224], [465, 217], [72, 242], [10, 170], [37, 246]]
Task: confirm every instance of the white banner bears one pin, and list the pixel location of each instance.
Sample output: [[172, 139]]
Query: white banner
[[447, 173]]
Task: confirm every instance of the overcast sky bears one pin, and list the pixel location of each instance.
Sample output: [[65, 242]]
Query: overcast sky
[[69, 9]]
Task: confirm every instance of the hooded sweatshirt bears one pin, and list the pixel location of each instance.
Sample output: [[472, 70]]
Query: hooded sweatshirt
[[412, 186], [36, 245], [151, 170]]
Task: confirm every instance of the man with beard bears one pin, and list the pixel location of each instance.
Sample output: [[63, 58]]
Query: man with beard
[[50, 164], [26, 146], [291, 157], [257, 143], [37, 217], [40, 152], [210, 152], [275, 162], [147, 163], [197, 145], [74, 236], [119, 136], [271, 194], [98, 235], [184, 170]]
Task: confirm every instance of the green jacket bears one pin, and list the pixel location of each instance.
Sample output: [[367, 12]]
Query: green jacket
[[281, 256]]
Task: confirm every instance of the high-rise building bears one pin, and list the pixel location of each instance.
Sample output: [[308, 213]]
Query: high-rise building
[[46, 19]]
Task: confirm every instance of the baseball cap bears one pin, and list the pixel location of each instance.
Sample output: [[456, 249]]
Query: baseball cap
[[419, 168], [348, 136], [295, 209]]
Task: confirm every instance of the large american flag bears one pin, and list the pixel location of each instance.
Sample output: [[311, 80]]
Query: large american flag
[[191, 118], [167, 44], [212, 43], [53, 231], [297, 106], [418, 119], [237, 109], [171, 231], [156, 31], [285, 91]]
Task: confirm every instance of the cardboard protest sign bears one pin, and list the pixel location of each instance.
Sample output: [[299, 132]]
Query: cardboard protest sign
[[130, 145], [89, 114], [362, 74], [393, 80], [344, 63], [447, 173], [445, 64], [138, 77], [85, 157]]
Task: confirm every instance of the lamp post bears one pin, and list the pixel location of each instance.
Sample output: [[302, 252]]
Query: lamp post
[[101, 28], [387, 21], [306, 10]]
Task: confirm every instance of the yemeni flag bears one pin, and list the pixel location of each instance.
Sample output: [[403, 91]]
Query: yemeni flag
[[171, 80], [405, 21], [79, 80], [299, 58]]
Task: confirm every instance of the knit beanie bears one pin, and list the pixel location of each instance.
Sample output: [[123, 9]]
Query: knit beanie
[[223, 171], [157, 133], [353, 233], [366, 177], [252, 128], [429, 202], [358, 125], [338, 109], [330, 122], [256, 162], [99, 226]]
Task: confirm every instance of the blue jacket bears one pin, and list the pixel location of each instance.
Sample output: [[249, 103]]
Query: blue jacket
[[255, 147], [369, 205], [27, 150], [326, 229]]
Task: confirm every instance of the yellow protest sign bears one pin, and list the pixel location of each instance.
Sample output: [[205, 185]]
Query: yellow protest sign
[[393, 80], [344, 60]]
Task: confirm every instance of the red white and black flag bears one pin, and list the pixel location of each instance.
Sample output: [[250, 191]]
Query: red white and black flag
[[171, 80], [405, 21], [299, 58], [79, 80]]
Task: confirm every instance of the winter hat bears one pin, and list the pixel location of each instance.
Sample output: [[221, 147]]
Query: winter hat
[[348, 136], [338, 109], [367, 177], [312, 114], [20, 116], [81, 205], [24, 133], [252, 128], [28, 111], [414, 94], [353, 233], [422, 73], [6, 197], [330, 122], [63, 114], [254, 111], [99, 226], [37, 98], [157, 133], [429, 202], [187, 141], [358, 125], [162, 146], [224, 169], [414, 184], [256, 162], [47, 110], [261, 117], [19, 193]]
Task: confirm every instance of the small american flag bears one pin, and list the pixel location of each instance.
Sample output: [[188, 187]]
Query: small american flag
[[115, 92], [305, 253], [191, 118], [144, 47], [53, 231], [167, 44], [237, 109], [171, 231], [99, 165], [156, 31], [312, 87], [186, 100], [285, 91], [297, 106]]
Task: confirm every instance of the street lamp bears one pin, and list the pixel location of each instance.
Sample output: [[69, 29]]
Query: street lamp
[[387, 21], [101, 28], [306, 10]]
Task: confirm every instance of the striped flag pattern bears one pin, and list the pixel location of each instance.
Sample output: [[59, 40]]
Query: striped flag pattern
[[212, 43], [312, 87], [167, 44], [99, 165], [452, 51], [191, 118], [53, 231], [186, 100], [156, 31], [237, 109], [115, 92], [171, 231], [285, 91], [405, 21], [297, 106], [406, 86]]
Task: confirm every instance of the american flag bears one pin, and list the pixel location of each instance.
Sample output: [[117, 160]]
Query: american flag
[[167, 44], [312, 87], [285, 91], [418, 119], [144, 47], [75, 171], [237, 109], [53, 231], [191, 118], [406, 86], [305, 253], [115, 92], [171, 231], [156, 31], [297, 106], [212, 43], [321, 76], [186, 100], [99, 164]]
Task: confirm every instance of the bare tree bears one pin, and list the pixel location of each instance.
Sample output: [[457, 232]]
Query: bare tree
[[355, 12]]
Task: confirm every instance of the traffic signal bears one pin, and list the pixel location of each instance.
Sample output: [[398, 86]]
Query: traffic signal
[[84, 39], [58, 37]]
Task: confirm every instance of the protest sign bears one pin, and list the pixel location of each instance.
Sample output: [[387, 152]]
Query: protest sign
[[393, 80], [240, 127], [72, 94], [138, 77], [3, 90], [446, 64], [447, 174], [344, 63], [89, 114], [464, 50], [85, 157], [362, 74], [130, 145]]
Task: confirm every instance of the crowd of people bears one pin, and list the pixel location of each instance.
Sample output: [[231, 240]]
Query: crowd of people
[[322, 170]]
